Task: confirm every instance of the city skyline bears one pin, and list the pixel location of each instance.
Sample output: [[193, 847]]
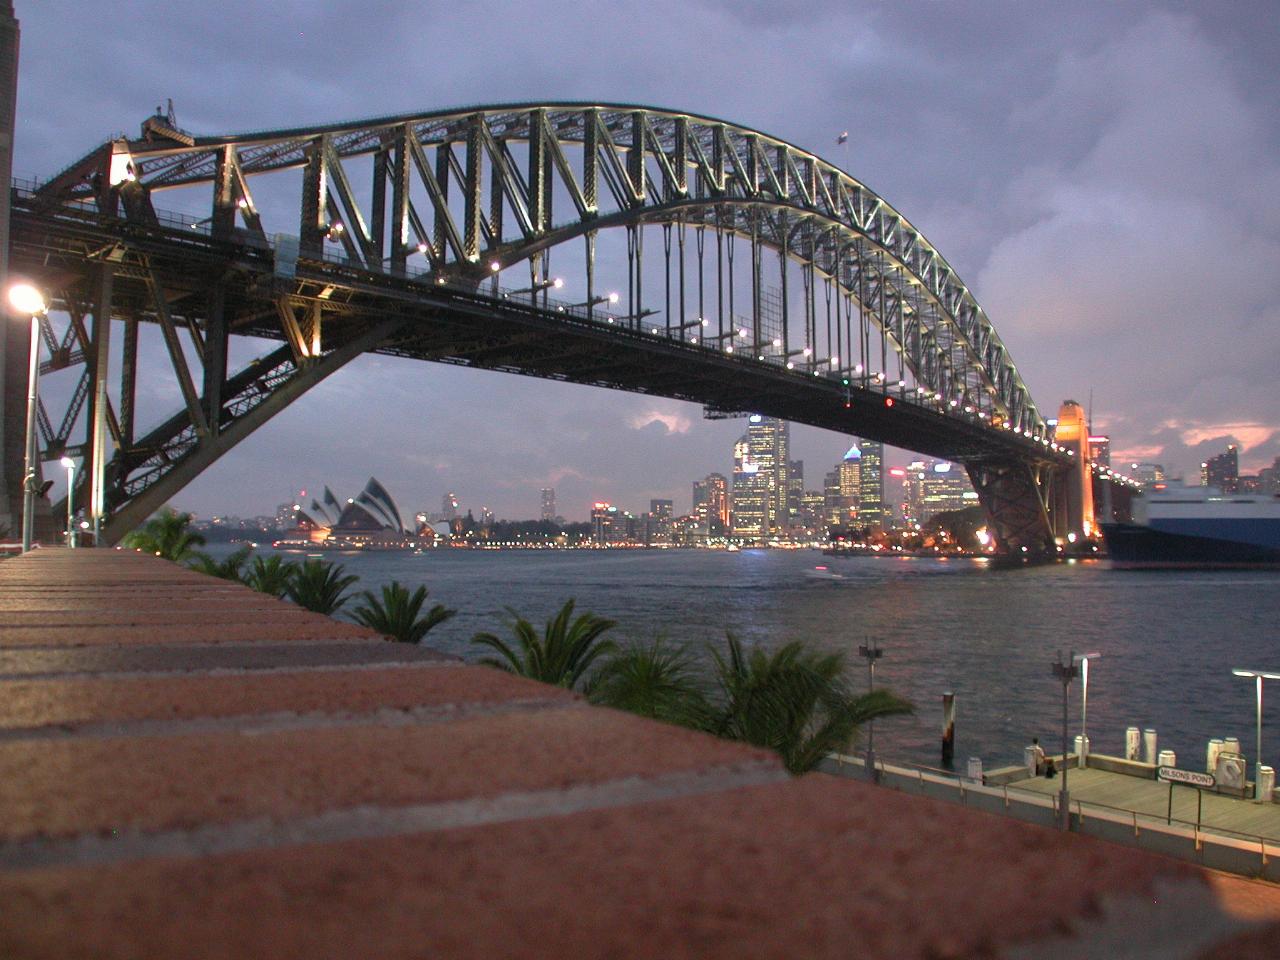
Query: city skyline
[[1053, 156]]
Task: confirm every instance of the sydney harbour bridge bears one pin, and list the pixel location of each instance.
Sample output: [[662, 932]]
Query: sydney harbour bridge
[[618, 246]]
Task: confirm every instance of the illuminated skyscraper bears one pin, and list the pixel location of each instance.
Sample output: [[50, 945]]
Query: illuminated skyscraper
[[1222, 471], [1100, 450], [760, 478], [849, 473], [449, 507], [750, 492], [871, 512], [945, 486], [711, 504], [548, 503]]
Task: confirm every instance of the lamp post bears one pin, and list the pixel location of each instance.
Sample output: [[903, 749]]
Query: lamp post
[[1083, 659], [1065, 672], [872, 652], [1259, 676], [28, 301], [71, 488]]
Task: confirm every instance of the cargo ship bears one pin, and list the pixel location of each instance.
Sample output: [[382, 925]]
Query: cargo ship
[[1197, 527]]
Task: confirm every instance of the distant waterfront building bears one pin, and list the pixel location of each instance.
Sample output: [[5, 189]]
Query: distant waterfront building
[[760, 478], [370, 518], [871, 512], [711, 504], [486, 517], [1222, 471], [945, 486], [449, 507], [1269, 478], [849, 472], [794, 519], [548, 503], [1147, 472], [605, 523], [750, 492], [812, 504], [1100, 450], [831, 507], [663, 509]]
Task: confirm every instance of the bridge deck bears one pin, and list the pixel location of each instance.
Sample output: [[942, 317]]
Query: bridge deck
[[190, 769]]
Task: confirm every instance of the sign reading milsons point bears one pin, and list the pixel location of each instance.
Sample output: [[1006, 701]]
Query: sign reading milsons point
[[1189, 777]]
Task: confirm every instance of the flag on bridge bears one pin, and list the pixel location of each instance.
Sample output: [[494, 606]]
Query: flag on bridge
[[843, 138]]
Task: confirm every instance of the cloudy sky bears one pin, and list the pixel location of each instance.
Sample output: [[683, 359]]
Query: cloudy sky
[[1105, 176]]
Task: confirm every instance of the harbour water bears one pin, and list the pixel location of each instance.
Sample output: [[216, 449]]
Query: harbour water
[[1168, 639]]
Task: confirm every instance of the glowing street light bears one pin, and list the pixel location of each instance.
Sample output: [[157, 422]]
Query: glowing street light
[[872, 652], [29, 301], [1083, 659], [1259, 676], [71, 489], [1065, 673]]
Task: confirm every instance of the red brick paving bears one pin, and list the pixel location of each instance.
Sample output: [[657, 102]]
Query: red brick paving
[[578, 844]]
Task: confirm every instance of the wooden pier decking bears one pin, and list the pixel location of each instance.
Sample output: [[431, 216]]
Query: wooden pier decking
[[189, 769], [1220, 812]]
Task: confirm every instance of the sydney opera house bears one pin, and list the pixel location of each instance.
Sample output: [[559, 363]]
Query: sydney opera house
[[368, 521]]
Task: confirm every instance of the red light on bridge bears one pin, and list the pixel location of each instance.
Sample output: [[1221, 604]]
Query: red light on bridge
[[888, 401]]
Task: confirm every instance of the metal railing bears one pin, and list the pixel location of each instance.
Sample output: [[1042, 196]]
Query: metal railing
[[898, 775]]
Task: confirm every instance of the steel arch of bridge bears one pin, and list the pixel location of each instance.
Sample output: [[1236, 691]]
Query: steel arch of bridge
[[489, 176]]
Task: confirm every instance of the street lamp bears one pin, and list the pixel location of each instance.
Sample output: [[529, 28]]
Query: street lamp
[[1065, 672], [872, 652], [1083, 659], [28, 301], [1259, 676], [71, 489]]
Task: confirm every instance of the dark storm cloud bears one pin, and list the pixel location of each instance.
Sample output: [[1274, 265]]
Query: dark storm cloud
[[1102, 174]]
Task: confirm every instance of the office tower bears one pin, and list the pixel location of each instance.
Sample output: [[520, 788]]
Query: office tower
[[449, 507], [715, 515], [831, 507], [1222, 471], [795, 495], [548, 503], [871, 512], [945, 486], [750, 492], [1147, 472], [849, 472], [1100, 451], [760, 481]]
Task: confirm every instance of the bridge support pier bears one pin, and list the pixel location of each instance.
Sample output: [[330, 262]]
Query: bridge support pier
[[1016, 496]]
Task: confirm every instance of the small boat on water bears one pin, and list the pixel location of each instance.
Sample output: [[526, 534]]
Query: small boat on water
[[1188, 527], [821, 572]]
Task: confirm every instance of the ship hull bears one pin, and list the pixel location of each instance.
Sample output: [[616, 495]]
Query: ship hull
[[1132, 546]]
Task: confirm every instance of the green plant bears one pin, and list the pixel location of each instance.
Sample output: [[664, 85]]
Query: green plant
[[320, 587], [795, 701], [270, 575], [397, 613], [655, 680], [562, 655], [168, 535], [230, 567]]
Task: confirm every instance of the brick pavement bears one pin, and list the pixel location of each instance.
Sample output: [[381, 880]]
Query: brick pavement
[[190, 769]]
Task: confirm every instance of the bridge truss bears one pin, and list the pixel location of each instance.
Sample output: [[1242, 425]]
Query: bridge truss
[[771, 281]]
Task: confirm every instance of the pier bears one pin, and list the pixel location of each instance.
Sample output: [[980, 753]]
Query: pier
[[188, 768]]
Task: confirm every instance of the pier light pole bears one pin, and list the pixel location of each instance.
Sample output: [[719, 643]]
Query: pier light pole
[[26, 300], [71, 487], [1084, 659], [1065, 672], [1259, 676], [872, 652]]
